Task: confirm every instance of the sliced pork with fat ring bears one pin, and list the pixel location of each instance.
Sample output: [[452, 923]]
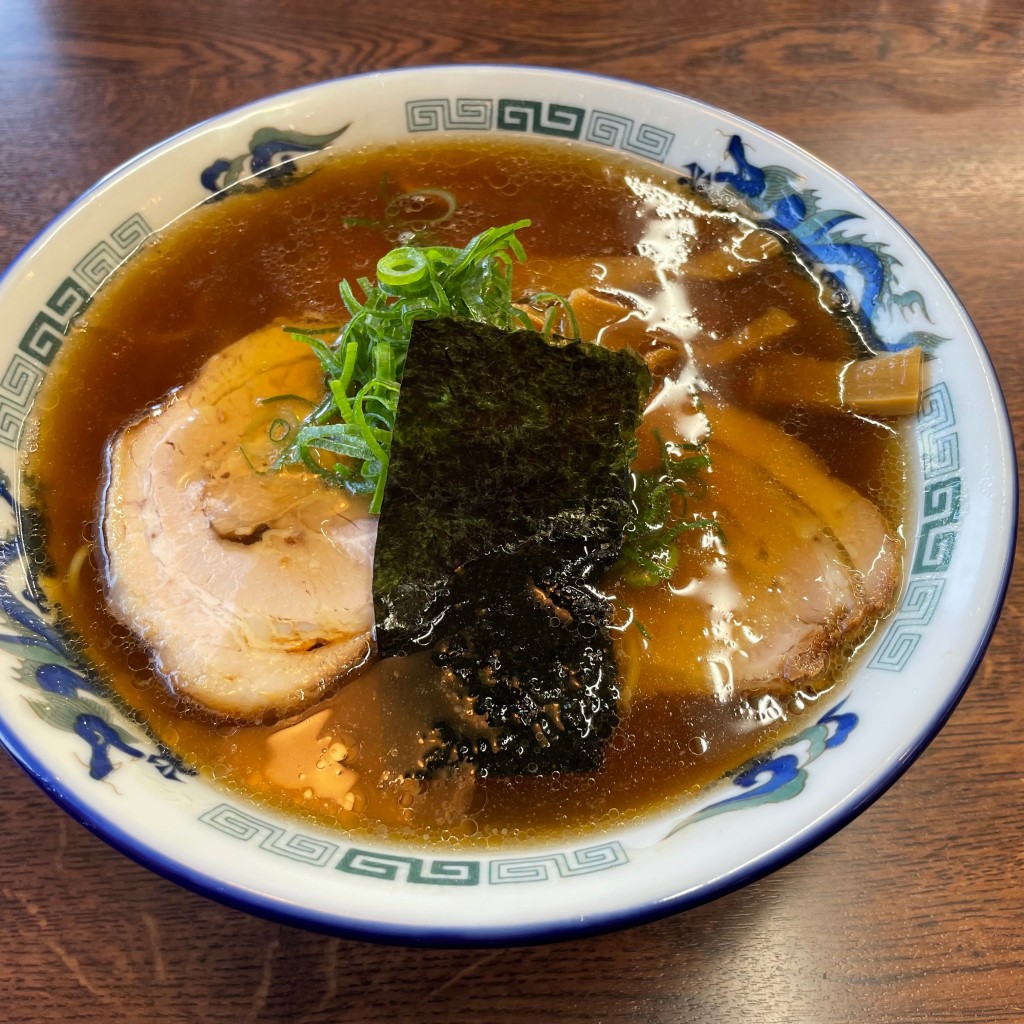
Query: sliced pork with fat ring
[[251, 590]]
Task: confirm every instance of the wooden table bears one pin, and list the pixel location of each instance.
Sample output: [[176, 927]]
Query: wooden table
[[915, 912]]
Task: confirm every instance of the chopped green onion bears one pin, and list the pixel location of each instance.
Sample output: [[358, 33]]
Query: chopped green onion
[[557, 306], [421, 206], [650, 552], [401, 268], [412, 214], [363, 366]]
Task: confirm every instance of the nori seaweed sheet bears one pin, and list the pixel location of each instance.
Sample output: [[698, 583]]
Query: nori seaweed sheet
[[527, 647], [507, 493]]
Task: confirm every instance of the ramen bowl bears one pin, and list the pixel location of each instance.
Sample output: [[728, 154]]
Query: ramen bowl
[[61, 723]]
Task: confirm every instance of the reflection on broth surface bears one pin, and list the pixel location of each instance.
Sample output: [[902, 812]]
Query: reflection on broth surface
[[793, 550]]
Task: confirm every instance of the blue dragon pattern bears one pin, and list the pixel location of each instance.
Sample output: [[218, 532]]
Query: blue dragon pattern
[[782, 775], [65, 695], [863, 269]]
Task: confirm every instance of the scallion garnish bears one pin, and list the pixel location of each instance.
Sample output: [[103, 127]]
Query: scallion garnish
[[363, 366], [660, 498], [413, 215]]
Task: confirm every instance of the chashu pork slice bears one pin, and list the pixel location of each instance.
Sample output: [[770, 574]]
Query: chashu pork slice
[[873, 551], [252, 590], [803, 564]]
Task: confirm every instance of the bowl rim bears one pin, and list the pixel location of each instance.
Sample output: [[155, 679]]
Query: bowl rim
[[842, 813]]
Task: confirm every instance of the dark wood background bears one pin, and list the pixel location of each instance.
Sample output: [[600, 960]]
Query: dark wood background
[[915, 912]]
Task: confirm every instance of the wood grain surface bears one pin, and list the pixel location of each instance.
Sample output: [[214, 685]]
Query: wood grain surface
[[915, 912]]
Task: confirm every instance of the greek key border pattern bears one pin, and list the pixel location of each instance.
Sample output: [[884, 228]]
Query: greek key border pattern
[[538, 117], [941, 504], [44, 336], [18, 385], [274, 839], [392, 867], [541, 868], [247, 828]]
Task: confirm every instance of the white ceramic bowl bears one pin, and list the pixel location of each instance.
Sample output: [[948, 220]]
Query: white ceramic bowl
[[71, 738]]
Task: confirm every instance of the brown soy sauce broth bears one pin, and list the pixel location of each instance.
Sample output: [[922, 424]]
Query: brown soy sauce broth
[[234, 266]]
